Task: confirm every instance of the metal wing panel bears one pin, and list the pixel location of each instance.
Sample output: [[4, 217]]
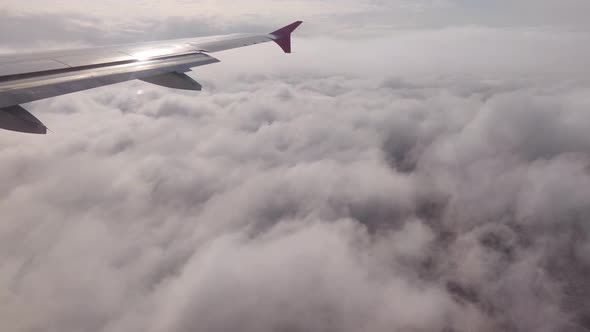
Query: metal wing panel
[[160, 50], [100, 55], [12, 64], [94, 58], [32, 66], [36, 88], [34, 76], [53, 54], [222, 43]]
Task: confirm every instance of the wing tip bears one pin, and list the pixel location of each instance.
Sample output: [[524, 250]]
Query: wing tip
[[283, 35]]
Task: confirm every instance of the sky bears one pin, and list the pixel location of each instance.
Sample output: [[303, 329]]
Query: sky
[[412, 166]]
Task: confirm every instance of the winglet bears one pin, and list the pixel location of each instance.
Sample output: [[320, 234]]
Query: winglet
[[283, 36]]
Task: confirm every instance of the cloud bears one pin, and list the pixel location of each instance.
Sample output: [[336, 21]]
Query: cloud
[[418, 182], [284, 208]]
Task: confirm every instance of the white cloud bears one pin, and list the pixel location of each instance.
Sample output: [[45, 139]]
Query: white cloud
[[427, 180]]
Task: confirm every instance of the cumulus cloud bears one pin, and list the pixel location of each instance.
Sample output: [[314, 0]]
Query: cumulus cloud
[[414, 187]]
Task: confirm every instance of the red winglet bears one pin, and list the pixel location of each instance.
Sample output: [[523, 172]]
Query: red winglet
[[284, 36]]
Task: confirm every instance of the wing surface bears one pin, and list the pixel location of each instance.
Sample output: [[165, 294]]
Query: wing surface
[[30, 77]]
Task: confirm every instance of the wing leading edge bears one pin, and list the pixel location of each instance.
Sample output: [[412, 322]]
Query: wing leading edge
[[31, 77]]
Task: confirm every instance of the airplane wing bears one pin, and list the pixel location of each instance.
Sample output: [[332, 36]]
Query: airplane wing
[[29, 77]]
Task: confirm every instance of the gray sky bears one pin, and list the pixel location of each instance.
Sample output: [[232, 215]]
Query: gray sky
[[413, 166], [391, 13]]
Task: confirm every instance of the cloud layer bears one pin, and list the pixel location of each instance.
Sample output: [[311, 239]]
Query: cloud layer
[[431, 184]]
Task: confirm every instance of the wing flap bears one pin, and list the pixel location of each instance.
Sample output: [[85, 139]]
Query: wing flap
[[94, 58], [32, 66], [16, 118], [174, 80]]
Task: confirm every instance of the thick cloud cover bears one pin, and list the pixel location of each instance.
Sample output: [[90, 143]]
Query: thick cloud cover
[[424, 180]]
